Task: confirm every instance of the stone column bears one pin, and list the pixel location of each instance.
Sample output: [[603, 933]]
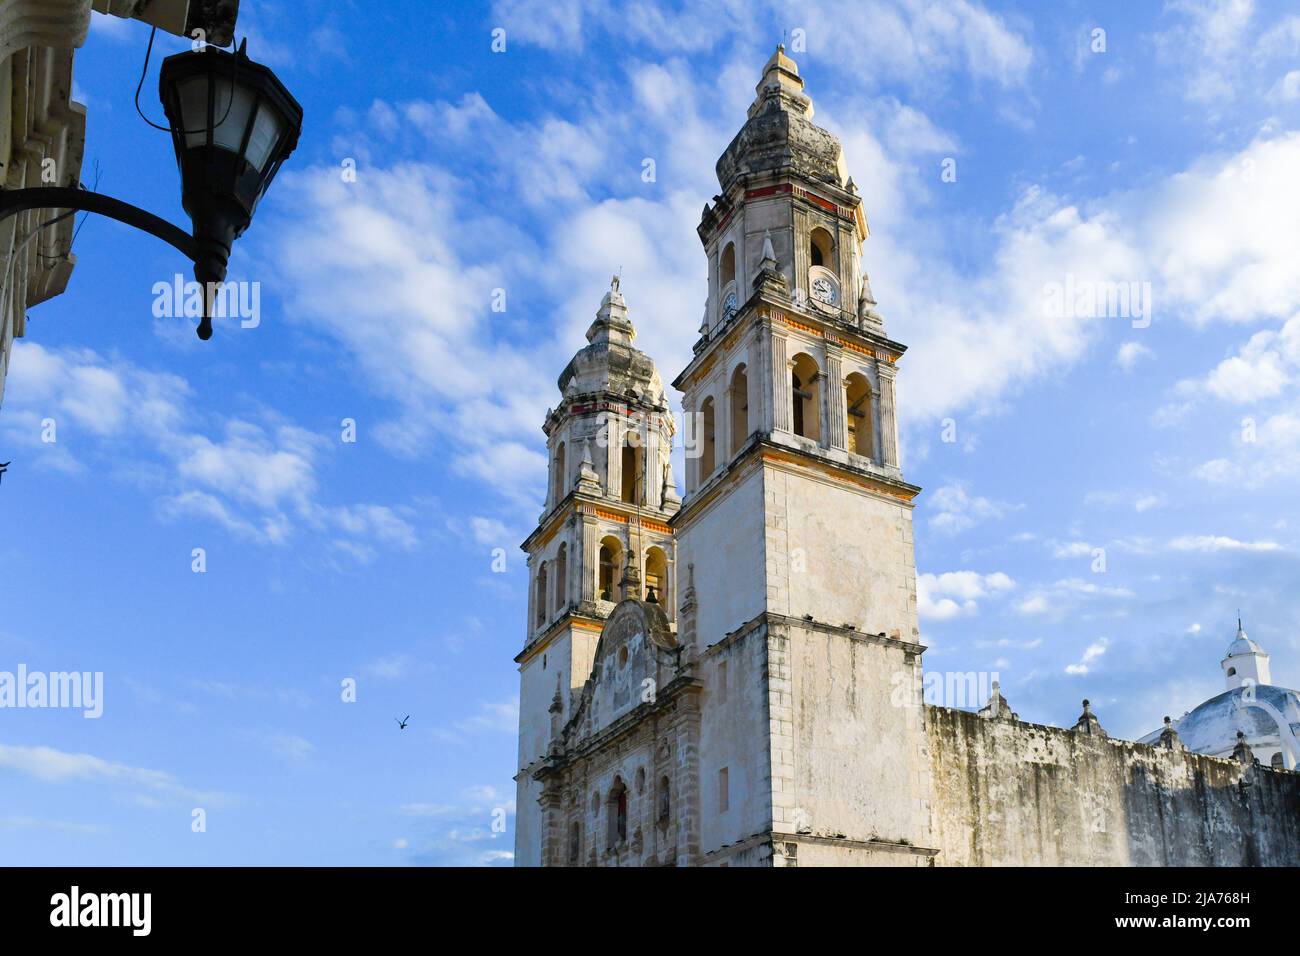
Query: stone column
[[651, 487], [837, 435], [614, 455], [590, 559], [686, 806], [532, 600], [779, 379], [552, 824], [888, 421]]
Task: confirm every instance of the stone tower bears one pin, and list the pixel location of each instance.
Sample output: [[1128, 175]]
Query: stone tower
[[797, 523], [602, 536]]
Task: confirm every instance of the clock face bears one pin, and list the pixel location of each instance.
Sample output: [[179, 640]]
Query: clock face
[[823, 290], [729, 305]]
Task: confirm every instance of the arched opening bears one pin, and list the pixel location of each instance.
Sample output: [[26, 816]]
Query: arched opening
[[857, 397], [575, 841], [727, 265], [665, 800], [739, 399], [821, 248], [541, 594], [728, 300], [611, 560], [708, 440], [617, 812], [656, 575], [562, 578], [631, 466], [558, 475], [805, 389]]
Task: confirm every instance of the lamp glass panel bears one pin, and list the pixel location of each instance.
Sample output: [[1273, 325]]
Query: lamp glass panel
[[229, 131], [266, 133], [193, 96]]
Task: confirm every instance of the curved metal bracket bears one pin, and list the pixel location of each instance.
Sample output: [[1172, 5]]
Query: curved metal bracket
[[14, 201]]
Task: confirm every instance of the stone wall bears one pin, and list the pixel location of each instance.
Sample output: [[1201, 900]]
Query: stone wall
[[1008, 793]]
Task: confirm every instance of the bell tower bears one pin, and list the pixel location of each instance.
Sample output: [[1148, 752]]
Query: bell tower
[[797, 522], [603, 534]]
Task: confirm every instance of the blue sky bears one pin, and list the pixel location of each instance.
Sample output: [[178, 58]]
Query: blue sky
[[1167, 159]]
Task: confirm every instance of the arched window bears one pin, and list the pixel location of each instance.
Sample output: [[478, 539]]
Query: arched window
[[558, 475], [665, 800], [541, 594], [728, 299], [617, 812], [739, 398], [857, 397], [562, 578], [707, 440], [611, 560], [727, 265], [631, 460], [656, 575], [805, 388], [575, 841], [821, 248]]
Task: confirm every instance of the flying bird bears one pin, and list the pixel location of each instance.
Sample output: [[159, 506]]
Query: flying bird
[[401, 724], [3, 466]]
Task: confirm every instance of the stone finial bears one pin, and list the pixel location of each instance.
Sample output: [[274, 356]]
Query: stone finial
[[997, 707], [672, 501], [688, 594], [1169, 737], [1242, 752], [1088, 722], [867, 313], [612, 323], [770, 278], [588, 480]]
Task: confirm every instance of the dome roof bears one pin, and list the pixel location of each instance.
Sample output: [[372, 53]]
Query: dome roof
[[610, 364], [1212, 727], [780, 134]]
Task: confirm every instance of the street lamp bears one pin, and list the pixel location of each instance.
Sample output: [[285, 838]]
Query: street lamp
[[233, 124]]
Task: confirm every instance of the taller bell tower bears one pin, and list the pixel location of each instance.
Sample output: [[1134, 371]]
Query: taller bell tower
[[797, 523]]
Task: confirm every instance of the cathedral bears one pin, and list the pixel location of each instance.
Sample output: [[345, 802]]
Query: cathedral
[[731, 675]]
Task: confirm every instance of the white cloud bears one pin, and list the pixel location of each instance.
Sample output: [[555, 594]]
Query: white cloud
[[1130, 353], [57, 766], [914, 42], [1215, 543], [952, 594], [255, 480], [956, 510], [502, 717], [1090, 655]]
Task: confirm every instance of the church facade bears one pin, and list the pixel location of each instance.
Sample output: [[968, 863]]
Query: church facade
[[732, 676]]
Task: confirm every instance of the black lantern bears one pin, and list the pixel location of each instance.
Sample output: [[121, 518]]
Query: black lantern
[[233, 123]]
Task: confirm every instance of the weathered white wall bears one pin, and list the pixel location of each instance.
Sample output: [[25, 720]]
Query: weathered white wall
[[843, 555], [733, 734], [854, 748], [1016, 794], [724, 544]]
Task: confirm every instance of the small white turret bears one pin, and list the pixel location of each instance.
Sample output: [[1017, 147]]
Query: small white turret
[[1245, 662]]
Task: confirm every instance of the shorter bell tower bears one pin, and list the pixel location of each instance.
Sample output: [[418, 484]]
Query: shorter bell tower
[[603, 534]]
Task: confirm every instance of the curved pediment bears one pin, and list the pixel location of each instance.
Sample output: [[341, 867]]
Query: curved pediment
[[636, 654]]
